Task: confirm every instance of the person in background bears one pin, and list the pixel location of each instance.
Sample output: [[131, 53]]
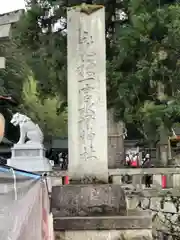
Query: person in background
[[147, 164], [127, 159], [135, 160], [127, 178], [61, 160], [65, 161], [146, 161]]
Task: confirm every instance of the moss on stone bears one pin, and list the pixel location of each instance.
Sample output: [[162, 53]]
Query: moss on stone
[[86, 8]]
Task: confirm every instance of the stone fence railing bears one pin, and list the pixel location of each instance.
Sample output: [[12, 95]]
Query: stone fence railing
[[136, 177]]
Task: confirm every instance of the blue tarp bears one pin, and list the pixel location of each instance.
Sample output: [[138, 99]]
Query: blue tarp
[[20, 172]]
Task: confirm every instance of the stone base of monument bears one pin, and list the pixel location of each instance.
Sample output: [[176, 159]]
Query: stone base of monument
[[97, 212], [29, 157]]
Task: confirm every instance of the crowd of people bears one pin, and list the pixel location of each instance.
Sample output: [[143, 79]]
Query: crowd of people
[[133, 160], [59, 158]]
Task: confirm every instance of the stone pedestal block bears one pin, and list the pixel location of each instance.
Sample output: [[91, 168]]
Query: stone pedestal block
[[88, 200], [143, 234], [136, 225], [97, 212], [103, 223], [29, 157]]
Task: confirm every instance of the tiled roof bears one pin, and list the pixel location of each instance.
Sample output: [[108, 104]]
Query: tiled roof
[[10, 17], [6, 20]]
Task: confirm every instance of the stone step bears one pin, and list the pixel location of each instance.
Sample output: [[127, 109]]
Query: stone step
[[103, 223]]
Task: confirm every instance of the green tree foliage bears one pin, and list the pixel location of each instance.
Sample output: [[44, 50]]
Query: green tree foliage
[[18, 81], [43, 112], [11, 83], [41, 34], [142, 56], [12, 76], [143, 75], [42, 41]]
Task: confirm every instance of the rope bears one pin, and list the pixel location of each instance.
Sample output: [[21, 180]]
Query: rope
[[15, 188]]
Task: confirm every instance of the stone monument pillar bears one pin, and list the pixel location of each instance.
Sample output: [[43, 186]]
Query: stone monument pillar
[[90, 211], [87, 110]]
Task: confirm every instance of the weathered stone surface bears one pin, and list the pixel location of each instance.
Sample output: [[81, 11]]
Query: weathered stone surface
[[28, 150], [56, 181], [139, 212], [88, 200], [143, 171], [157, 181], [117, 179], [103, 223], [58, 173], [87, 108], [105, 235], [176, 180], [149, 193]]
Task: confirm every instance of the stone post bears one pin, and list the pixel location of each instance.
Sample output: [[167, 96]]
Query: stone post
[[115, 141], [87, 113], [163, 143]]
